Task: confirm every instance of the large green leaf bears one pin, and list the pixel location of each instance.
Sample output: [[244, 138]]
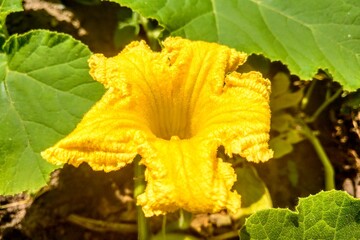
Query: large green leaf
[[327, 215], [45, 89], [9, 6], [306, 35]]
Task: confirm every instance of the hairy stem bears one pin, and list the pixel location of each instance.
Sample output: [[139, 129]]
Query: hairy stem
[[142, 223], [328, 168]]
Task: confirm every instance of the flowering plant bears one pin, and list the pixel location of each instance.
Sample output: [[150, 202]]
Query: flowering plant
[[184, 102], [192, 108]]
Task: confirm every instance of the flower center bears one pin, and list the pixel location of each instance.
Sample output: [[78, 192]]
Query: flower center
[[172, 119]]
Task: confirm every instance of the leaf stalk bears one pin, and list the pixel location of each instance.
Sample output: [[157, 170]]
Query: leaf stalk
[[328, 168], [139, 179]]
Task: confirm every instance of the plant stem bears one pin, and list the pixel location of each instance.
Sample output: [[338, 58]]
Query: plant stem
[[142, 223], [323, 106], [226, 235], [328, 168], [305, 100], [185, 219], [101, 226], [163, 228]]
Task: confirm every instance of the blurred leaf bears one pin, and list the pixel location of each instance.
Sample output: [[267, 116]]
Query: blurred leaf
[[45, 89], [280, 84], [281, 121], [294, 136], [281, 97], [125, 34], [128, 28], [280, 146], [305, 35], [352, 100], [9, 6], [254, 193], [327, 215]]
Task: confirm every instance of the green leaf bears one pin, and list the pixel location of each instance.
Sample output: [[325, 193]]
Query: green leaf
[[305, 35], [9, 6], [254, 193], [281, 121], [45, 89], [287, 133], [128, 28], [280, 146], [281, 97], [327, 215], [352, 100], [280, 84]]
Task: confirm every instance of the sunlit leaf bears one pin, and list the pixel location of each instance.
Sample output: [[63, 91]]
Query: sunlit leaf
[[9, 6], [305, 35], [254, 193], [45, 89], [327, 215]]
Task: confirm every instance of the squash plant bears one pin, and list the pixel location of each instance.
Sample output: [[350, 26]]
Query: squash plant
[[46, 89]]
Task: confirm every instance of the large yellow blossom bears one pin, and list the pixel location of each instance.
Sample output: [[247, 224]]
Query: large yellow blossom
[[174, 108]]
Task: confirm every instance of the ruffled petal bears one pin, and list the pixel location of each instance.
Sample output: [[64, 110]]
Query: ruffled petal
[[222, 104], [186, 174], [239, 117], [107, 138]]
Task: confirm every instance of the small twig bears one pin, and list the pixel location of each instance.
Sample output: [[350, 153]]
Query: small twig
[[101, 226], [324, 106], [305, 100], [226, 235], [16, 204]]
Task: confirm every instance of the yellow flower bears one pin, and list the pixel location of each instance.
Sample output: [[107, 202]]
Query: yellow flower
[[174, 108]]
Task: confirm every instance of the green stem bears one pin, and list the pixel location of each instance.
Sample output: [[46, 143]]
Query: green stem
[[226, 235], [184, 219], [152, 34], [323, 106], [305, 100], [328, 168], [163, 228], [101, 226], [142, 223]]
